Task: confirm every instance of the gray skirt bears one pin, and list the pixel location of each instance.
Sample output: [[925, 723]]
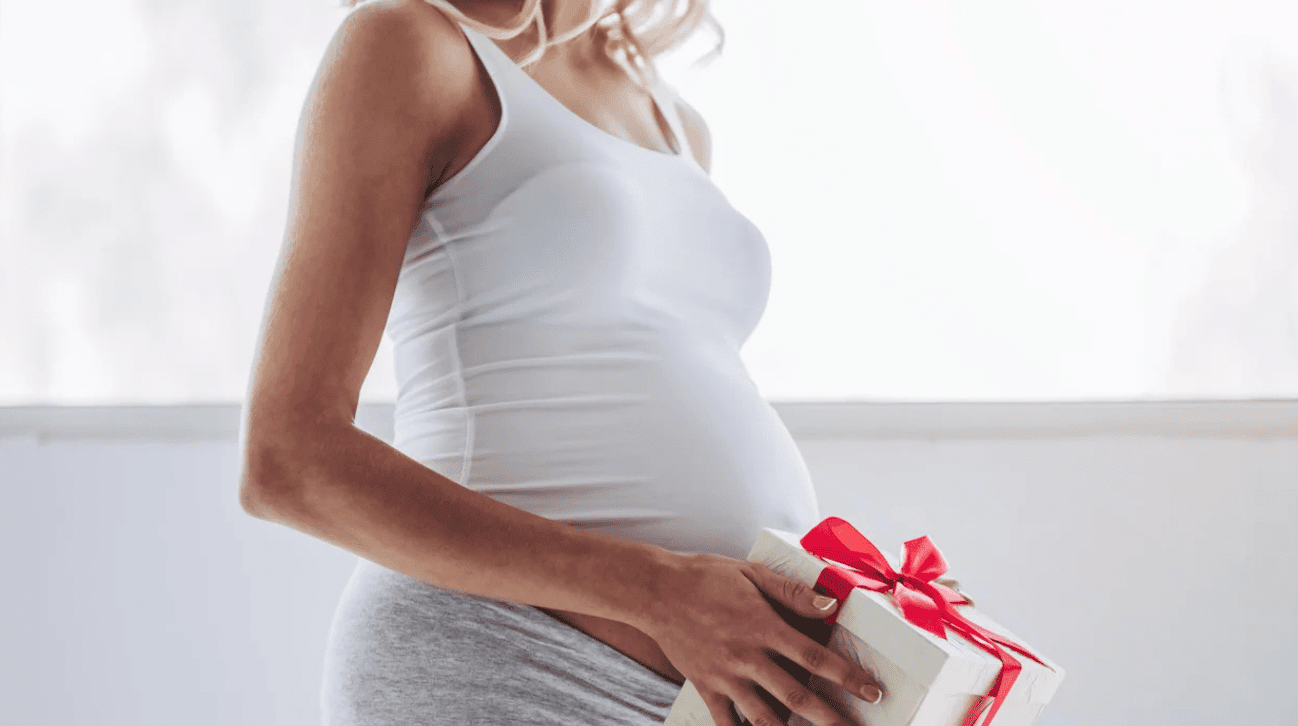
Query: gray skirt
[[402, 652]]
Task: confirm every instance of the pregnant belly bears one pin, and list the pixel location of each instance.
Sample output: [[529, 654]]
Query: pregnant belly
[[621, 637]]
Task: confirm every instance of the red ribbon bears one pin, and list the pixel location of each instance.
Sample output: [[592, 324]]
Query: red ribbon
[[856, 562]]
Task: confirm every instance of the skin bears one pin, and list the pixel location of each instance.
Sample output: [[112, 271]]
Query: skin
[[400, 101]]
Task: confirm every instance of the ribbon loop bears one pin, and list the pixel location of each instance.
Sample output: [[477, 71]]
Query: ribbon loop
[[853, 561], [922, 559]]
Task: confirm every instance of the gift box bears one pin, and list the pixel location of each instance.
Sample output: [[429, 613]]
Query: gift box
[[939, 661]]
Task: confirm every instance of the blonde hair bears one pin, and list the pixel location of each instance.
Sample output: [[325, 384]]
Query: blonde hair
[[630, 32]]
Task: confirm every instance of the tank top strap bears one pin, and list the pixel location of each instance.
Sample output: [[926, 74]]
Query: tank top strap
[[501, 68], [665, 97], [487, 51]]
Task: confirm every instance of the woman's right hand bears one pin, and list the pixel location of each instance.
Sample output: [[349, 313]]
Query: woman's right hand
[[716, 619]]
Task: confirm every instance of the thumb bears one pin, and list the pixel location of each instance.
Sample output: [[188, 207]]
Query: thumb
[[797, 596]]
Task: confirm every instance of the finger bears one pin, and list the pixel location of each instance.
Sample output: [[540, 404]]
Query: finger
[[799, 699], [755, 710], [827, 664], [797, 596], [719, 706]]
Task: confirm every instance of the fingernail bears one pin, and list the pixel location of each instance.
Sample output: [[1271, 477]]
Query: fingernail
[[823, 603], [871, 693]]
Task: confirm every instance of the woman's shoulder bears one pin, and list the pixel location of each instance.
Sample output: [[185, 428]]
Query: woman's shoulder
[[394, 61], [431, 20], [412, 48]]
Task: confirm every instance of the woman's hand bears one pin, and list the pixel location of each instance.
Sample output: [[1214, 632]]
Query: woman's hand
[[719, 621]]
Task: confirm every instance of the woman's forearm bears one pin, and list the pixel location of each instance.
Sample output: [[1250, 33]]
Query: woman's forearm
[[346, 487]]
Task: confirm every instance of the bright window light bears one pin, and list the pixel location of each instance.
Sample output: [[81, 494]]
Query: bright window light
[[963, 201]]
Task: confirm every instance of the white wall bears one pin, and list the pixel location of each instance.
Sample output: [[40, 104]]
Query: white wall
[[1148, 548]]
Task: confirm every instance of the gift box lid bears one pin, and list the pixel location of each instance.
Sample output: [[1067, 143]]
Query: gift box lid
[[951, 665]]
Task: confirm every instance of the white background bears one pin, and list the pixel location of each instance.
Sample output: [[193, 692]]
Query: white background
[[1074, 200]]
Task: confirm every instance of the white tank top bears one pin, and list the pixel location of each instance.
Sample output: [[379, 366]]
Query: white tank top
[[567, 325]]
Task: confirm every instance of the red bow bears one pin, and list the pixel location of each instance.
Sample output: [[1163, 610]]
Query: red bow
[[856, 562]]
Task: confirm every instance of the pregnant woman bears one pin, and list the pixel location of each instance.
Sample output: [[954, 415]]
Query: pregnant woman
[[581, 461]]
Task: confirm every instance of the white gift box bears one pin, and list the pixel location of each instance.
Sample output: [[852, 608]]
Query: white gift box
[[926, 681]]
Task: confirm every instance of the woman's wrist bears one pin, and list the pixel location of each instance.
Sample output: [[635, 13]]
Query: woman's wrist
[[650, 574]]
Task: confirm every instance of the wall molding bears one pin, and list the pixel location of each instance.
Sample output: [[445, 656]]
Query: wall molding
[[806, 420]]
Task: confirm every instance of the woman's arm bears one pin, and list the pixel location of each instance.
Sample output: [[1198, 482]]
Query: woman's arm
[[382, 118]]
